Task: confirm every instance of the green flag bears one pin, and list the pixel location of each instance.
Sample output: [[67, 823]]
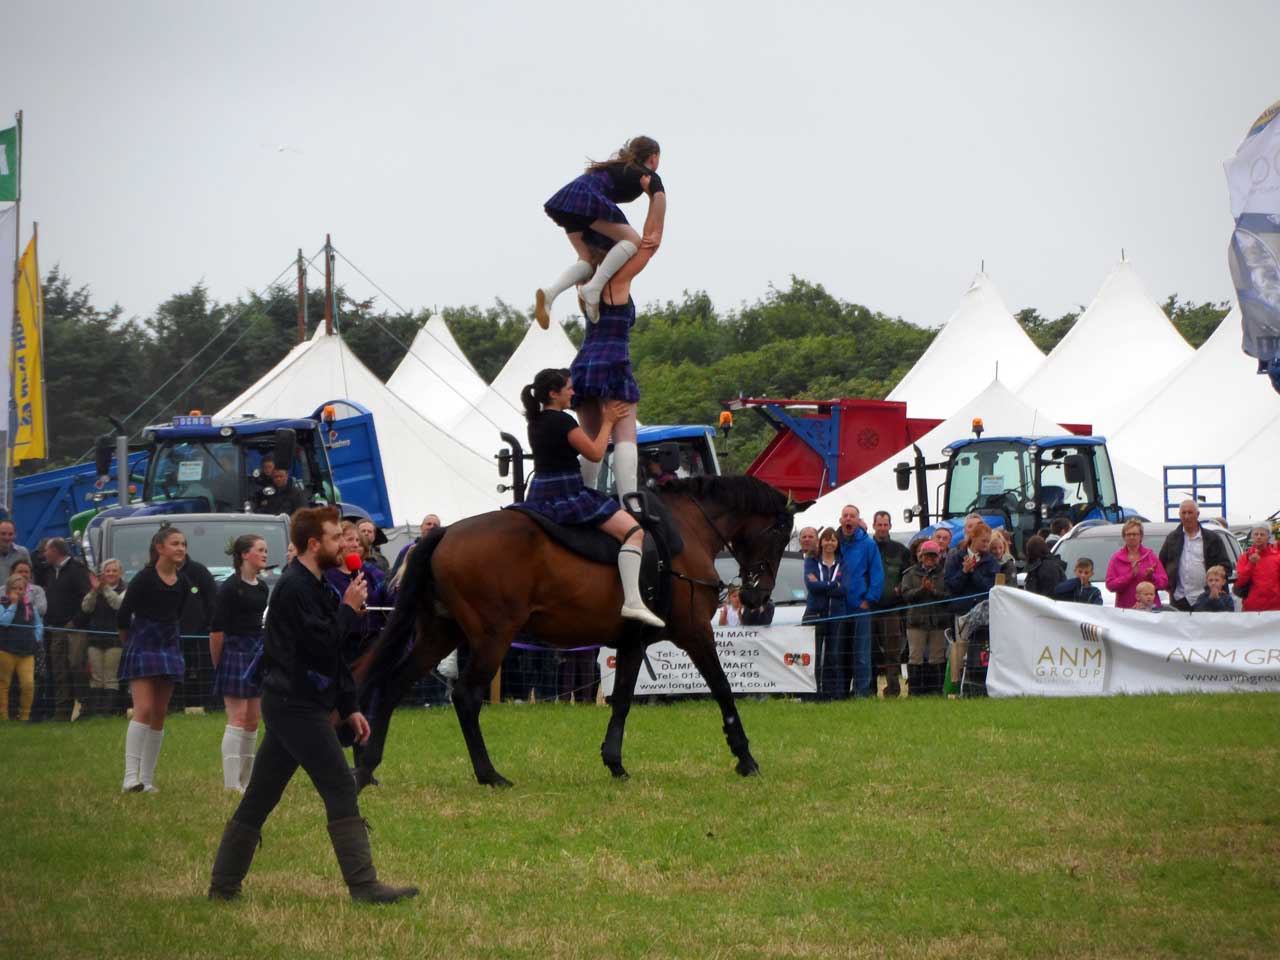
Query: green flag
[[9, 164]]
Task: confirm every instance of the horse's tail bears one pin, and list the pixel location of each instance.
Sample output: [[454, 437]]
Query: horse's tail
[[415, 602]]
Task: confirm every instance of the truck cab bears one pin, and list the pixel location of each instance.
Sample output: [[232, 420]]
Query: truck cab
[[1019, 483]]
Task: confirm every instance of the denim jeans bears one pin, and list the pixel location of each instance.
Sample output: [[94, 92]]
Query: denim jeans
[[860, 630]]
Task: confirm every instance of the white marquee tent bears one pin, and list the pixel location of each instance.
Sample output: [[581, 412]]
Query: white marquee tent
[[538, 350], [427, 470], [1120, 349], [1214, 410], [437, 380], [1003, 414], [981, 338]]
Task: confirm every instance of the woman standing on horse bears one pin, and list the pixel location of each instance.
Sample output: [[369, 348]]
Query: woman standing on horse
[[587, 209], [557, 490]]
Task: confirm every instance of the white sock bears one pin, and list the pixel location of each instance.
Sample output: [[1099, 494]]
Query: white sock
[[150, 754], [231, 757], [629, 570], [626, 460], [618, 254], [590, 472], [248, 749], [578, 273], [133, 741]]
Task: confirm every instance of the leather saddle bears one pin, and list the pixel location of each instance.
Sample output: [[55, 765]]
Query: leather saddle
[[662, 542]]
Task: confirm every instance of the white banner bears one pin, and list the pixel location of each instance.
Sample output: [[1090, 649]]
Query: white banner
[[1048, 648], [774, 659]]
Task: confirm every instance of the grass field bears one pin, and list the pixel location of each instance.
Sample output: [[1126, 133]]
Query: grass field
[[1125, 827]]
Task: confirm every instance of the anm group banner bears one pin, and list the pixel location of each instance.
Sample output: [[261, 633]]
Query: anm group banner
[[1043, 647]]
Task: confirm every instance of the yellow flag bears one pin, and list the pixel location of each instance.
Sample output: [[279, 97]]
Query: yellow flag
[[26, 363]]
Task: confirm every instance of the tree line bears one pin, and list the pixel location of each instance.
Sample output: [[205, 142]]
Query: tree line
[[689, 356]]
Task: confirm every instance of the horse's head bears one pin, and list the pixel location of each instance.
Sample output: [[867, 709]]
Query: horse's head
[[753, 521]]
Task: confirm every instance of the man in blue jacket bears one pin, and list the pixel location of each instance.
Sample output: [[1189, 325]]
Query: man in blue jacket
[[863, 582]]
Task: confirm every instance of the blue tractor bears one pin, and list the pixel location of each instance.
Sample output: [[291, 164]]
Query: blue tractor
[[1020, 484]]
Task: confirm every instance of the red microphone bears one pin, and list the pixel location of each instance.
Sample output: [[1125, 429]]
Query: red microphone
[[353, 562]]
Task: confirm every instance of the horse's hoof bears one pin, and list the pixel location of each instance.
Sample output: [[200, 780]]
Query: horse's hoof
[[619, 771], [748, 768], [495, 780], [364, 778]]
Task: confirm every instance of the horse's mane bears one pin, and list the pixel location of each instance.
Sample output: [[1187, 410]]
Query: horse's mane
[[741, 494]]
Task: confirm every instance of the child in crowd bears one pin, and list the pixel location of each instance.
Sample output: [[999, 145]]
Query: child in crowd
[[1080, 589], [21, 632], [1145, 599], [731, 611], [1216, 597]]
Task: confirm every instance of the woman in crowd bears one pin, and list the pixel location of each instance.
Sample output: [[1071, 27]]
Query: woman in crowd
[[339, 578], [824, 583], [971, 569], [1257, 573], [21, 632], [1133, 564], [1044, 569], [587, 210], [152, 660], [923, 586], [235, 643], [43, 703], [557, 490], [98, 612], [1000, 550]]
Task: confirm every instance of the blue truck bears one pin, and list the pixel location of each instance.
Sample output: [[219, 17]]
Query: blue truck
[[199, 464]]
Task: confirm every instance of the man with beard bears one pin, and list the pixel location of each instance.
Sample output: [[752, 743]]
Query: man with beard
[[304, 679]]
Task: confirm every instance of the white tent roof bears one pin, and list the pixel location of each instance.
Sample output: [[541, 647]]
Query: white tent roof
[[437, 380], [1121, 348], [1003, 414], [981, 335], [538, 350], [1214, 410], [427, 470]]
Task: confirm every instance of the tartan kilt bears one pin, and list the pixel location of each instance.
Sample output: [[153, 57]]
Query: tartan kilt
[[583, 201], [239, 654], [602, 368], [152, 650], [564, 498]]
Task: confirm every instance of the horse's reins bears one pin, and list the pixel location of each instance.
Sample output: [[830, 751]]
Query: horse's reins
[[749, 579]]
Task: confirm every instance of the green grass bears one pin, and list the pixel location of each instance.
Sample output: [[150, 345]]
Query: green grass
[[1125, 827]]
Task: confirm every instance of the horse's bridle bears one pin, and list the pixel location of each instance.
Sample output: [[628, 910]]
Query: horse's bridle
[[750, 576]]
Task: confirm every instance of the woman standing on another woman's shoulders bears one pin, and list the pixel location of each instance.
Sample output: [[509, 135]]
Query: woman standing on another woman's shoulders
[[235, 643], [152, 661], [587, 209]]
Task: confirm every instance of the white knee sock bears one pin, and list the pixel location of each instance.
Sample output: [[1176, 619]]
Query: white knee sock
[[231, 757], [590, 472], [133, 741], [248, 749], [629, 571], [150, 754], [618, 254], [578, 273], [626, 460]]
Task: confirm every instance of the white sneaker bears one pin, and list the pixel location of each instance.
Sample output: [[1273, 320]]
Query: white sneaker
[[148, 788], [541, 311], [132, 787], [590, 308], [644, 615]]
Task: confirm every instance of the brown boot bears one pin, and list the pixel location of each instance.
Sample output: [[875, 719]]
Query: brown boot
[[235, 854], [350, 837]]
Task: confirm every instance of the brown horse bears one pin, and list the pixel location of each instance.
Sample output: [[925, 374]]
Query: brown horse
[[450, 597]]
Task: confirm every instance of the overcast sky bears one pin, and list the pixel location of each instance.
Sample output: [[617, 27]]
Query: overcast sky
[[881, 149]]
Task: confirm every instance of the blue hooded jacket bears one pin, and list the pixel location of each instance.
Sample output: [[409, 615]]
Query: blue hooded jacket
[[863, 572]]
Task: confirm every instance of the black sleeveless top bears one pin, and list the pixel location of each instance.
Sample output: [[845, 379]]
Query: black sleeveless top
[[549, 440]]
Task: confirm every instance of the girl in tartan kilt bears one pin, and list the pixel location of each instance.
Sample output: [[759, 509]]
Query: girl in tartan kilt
[[152, 659], [587, 209], [557, 490], [235, 642]]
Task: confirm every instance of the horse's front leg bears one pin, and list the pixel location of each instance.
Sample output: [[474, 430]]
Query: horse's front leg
[[701, 648], [629, 657]]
